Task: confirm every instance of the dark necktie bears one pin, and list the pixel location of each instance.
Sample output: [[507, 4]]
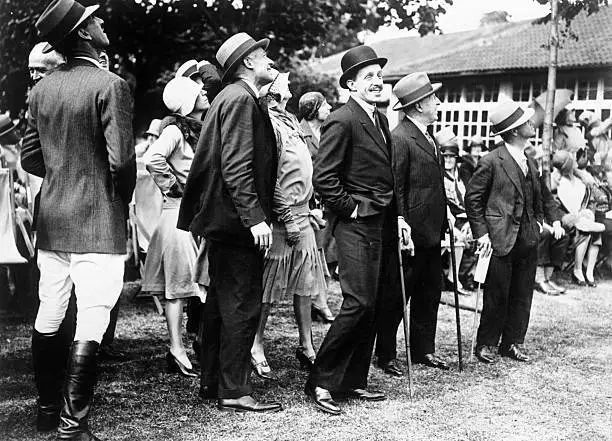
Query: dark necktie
[[378, 126]]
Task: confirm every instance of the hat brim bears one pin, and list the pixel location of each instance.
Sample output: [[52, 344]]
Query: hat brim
[[151, 133], [9, 130], [528, 113], [263, 43], [89, 10], [435, 87], [353, 69]]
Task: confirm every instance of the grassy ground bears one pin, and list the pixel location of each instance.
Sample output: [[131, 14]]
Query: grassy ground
[[564, 394]]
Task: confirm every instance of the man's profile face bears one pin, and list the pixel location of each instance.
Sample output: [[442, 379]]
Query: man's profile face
[[95, 29], [261, 65], [526, 130], [429, 108], [368, 84]]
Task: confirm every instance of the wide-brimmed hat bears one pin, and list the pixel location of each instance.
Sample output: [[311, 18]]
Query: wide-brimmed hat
[[187, 69], [6, 125], [180, 95], [154, 127], [507, 115], [234, 49], [356, 58], [413, 88], [59, 19], [446, 137]]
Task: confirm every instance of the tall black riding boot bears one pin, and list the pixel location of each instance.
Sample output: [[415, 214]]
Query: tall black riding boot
[[49, 359], [78, 392]]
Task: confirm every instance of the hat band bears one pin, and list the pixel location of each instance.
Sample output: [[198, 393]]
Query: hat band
[[6, 127], [238, 52], [416, 94], [190, 71], [65, 25], [514, 117]]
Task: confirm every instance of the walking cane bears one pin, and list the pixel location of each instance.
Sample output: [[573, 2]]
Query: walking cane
[[456, 290], [406, 319]]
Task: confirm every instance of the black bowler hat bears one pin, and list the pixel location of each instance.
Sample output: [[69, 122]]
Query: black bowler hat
[[59, 19], [355, 59]]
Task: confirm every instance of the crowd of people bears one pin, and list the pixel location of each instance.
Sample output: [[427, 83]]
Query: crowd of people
[[254, 202]]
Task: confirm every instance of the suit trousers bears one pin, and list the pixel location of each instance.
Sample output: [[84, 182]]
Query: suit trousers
[[507, 297], [365, 248], [551, 251], [231, 314], [422, 276]]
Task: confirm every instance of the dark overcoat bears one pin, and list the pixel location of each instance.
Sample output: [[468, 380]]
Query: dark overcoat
[[231, 182], [79, 139]]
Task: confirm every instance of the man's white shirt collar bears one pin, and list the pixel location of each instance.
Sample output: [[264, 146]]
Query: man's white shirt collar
[[91, 60], [518, 154], [367, 107]]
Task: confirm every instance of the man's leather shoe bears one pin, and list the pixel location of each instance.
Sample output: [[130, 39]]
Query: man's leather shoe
[[391, 368], [364, 394], [485, 354], [544, 288], [322, 399], [247, 404], [514, 352], [432, 360]]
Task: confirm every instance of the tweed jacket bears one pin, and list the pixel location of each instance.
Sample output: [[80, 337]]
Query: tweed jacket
[[494, 200], [230, 186], [353, 165], [419, 184], [79, 139]]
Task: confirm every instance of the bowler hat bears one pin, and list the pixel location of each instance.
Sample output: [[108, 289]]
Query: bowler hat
[[187, 69], [508, 115], [235, 49], [6, 125], [356, 58], [59, 19], [413, 88]]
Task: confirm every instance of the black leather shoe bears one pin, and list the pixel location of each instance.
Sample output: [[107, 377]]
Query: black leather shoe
[[485, 354], [544, 288], [175, 366], [248, 404], [322, 399], [577, 281], [590, 283], [513, 352], [364, 394], [432, 360], [324, 314], [391, 368], [306, 362], [208, 393]]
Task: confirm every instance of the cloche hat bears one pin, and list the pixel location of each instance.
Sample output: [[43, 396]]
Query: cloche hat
[[180, 95]]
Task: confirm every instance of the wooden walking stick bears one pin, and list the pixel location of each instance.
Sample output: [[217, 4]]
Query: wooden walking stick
[[406, 319], [456, 291]]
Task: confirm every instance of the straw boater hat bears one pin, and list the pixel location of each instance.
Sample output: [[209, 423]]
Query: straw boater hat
[[235, 49], [154, 127], [187, 69], [59, 19], [6, 125], [180, 95], [356, 58], [413, 88], [508, 115]]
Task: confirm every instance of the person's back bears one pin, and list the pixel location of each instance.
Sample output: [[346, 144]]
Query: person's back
[[83, 121]]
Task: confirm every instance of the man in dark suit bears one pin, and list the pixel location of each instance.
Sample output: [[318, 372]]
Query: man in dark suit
[[79, 139], [504, 208], [421, 200], [228, 200], [352, 173]]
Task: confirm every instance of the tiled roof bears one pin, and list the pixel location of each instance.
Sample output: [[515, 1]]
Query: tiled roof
[[505, 47]]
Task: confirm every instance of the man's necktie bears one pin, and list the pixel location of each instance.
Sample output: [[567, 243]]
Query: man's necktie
[[433, 143], [377, 124]]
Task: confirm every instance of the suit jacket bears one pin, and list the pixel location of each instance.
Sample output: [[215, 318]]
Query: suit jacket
[[419, 184], [353, 165], [550, 205], [231, 182], [494, 200], [79, 139]]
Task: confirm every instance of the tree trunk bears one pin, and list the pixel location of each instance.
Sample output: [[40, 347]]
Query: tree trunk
[[551, 88]]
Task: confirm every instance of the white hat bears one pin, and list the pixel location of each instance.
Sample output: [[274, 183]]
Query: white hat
[[154, 127], [507, 115], [180, 95], [446, 137], [187, 69], [235, 49]]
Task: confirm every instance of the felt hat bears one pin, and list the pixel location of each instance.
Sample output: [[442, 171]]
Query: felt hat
[[59, 19], [154, 127], [235, 49], [413, 88], [180, 95], [187, 69], [6, 124], [356, 58], [507, 115], [446, 137]]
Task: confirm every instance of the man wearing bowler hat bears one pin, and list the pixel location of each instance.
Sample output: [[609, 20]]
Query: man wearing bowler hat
[[354, 178], [504, 208], [228, 200], [79, 139], [421, 200]]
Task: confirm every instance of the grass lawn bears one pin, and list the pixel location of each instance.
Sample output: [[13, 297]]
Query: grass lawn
[[565, 393]]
